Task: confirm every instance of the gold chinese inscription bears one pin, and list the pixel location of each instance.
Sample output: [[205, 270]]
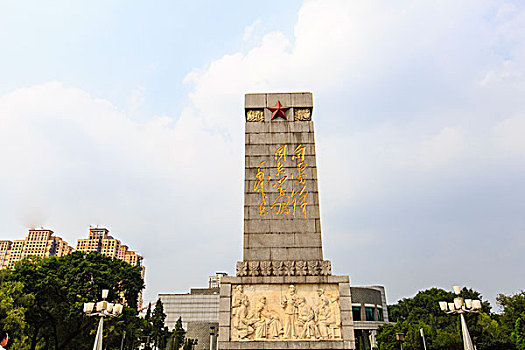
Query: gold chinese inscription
[[291, 194], [259, 187]]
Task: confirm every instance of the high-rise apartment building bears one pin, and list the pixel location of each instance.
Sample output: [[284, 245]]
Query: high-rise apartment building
[[129, 256], [42, 243], [215, 281], [5, 250], [94, 241], [101, 242], [39, 242]]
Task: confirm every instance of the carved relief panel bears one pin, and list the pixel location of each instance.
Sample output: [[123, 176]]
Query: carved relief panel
[[303, 114], [272, 312], [255, 115]]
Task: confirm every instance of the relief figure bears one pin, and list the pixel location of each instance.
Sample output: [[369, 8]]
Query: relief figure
[[321, 299], [289, 304], [324, 319], [305, 315], [335, 310], [240, 323], [266, 323], [306, 320]]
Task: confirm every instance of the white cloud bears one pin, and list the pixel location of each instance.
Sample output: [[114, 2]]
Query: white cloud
[[403, 124], [440, 149], [416, 106], [75, 160], [509, 135], [136, 99], [250, 30]]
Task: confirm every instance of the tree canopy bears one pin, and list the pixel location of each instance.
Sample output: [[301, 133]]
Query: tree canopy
[[489, 331], [160, 332], [13, 306], [512, 318], [178, 335], [44, 299]]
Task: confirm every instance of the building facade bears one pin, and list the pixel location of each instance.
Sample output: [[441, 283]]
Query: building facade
[[199, 305], [198, 311], [101, 242], [5, 252], [39, 242], [369, 311], [215, 281]]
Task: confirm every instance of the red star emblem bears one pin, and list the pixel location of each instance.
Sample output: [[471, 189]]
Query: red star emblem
[[278, 110]]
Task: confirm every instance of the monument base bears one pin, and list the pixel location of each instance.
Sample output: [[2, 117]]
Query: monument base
[[285, 312]]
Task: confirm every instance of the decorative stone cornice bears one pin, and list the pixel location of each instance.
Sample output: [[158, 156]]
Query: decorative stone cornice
[[284, 268]]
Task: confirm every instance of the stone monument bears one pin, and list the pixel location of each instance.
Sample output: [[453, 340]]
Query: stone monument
[[284, 295]]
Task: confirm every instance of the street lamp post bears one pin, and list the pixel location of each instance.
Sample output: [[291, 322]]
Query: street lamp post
[[103, 309], [460, 306], [400, 337]]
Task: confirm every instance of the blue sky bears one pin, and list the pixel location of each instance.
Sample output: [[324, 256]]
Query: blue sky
[[129, 115], [113, 48]]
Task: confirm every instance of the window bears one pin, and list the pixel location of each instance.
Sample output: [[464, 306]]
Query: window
[[380, 314], [369, 312], [356, 313]]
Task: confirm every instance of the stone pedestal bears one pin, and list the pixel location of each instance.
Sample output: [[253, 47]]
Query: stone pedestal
[[284, 296], [320, 334]]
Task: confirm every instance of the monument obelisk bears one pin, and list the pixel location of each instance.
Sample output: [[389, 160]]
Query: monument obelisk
[[284, 295]]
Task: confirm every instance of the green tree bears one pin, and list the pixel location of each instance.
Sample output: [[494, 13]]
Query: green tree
[[518, 335], [512, 318], [178, 335], [442, 331], [513, 306], [13, 305], [60, 286], [421, 311], [492, 334], [386, 337], [160, 332], [148, 328]]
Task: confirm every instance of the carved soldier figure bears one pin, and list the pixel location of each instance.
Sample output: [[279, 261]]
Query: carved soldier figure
[[289, 304], [324, 318], [306, 320], [240, 325], [335, 310], [322, 299]]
